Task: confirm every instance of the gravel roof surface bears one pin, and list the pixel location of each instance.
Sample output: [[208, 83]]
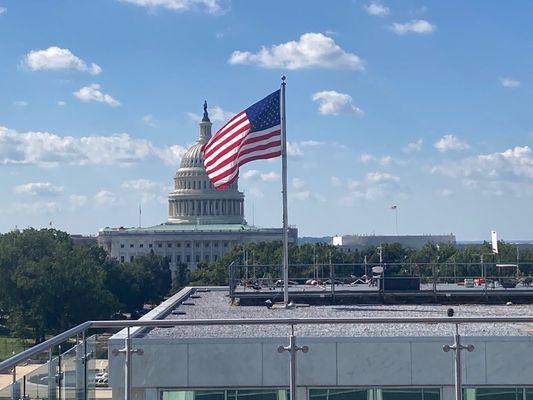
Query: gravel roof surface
[[215, 304]]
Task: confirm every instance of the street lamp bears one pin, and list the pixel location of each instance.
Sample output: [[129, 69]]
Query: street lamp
[[395, 208]]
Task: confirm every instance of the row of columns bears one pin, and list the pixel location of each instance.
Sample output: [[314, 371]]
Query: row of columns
[[194, 184], [206, 207]]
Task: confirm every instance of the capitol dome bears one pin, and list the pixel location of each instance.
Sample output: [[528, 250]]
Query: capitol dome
[[194, 199]]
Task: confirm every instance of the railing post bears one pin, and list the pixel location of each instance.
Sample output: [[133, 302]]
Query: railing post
[[127, 367], [457, 347], [51, 375], [59, 375], [292, 348], [80, 370], [15, 389], [128, 351]]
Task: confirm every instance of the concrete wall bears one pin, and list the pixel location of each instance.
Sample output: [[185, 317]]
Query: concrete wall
[[216, 363]]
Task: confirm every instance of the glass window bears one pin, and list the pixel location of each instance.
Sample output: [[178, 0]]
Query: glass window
[[248, 394], [339, 394], [122, 246], [209, 395], [150, 245], [141, 245], [131, 245], [374, 394], [508, 393], [121, 258]]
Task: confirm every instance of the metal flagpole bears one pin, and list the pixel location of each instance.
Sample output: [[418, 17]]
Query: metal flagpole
[[284, 192]]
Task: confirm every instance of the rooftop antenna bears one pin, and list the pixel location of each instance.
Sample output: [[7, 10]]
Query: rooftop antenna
[[140, 215]]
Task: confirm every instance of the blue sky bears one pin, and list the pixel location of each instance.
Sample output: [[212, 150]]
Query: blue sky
[[420, 104]]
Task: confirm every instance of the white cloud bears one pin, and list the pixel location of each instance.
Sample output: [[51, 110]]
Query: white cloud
[[304, 195], [511, 164], [3, 10], [297, 183], [509, 82], [56, 58], [216, 114], [143, 184], [254, 174], [415, 26], [331, 102], [77, 201], [450, 142], [38, 189], [366, 158], [20, 103], [38, 207], [150, 191], [413, 146], [336, 181], [209, 6], [376, 9], [384, 160], [381, 177], [376, 185], [48, 149], [312, 50], [93, 93], [255, 192], [170, 155], [105, 197], [311, 143], [61, 103], [294, 149], [445, 192], [149, 120]]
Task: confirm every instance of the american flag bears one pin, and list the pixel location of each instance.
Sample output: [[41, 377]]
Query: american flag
[[252, 134]]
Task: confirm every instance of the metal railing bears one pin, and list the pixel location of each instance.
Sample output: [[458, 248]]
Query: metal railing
[[432, 277], [82, 330]]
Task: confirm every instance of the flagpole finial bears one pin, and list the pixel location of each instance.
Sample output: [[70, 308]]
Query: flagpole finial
[[283, 77]]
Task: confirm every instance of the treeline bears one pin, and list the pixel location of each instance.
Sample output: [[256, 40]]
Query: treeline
[[48, 285], [444, 260]]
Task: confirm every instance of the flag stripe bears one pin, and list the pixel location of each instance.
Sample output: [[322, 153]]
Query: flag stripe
[[231, 174], [228, 162], [231, 150], [235, 133], [222, 131]]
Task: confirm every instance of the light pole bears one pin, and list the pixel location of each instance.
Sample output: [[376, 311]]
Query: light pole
[[395, 208]]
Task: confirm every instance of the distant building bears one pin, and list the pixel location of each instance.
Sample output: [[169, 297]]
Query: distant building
[[82, 240], [358, 242], [203, 223]]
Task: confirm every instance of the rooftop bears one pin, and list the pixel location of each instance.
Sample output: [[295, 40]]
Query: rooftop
[[166, 227], [215, 304]]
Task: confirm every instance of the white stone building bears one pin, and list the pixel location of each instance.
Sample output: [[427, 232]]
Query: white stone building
[[203, 223]]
